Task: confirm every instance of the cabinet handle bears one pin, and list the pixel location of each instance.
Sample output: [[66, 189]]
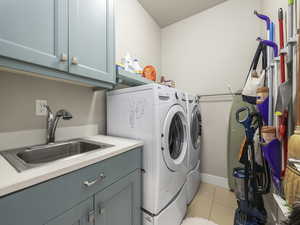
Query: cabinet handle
[[74, 60], [101, 211], [91, 183], [63, 57], [91, 217]]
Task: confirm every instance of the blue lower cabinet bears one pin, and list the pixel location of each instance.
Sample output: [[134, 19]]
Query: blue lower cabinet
[[120, 204], [81, 214], [75, 199]]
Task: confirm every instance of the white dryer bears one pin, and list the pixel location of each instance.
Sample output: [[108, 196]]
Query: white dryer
[[194, 145], [157, 115]]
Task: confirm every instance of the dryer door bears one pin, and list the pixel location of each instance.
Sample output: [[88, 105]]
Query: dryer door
[[196, 128], [174, 138]]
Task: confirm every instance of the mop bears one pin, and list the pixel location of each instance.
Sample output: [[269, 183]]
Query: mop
[[270, 34], [283, 96], [294, 141]]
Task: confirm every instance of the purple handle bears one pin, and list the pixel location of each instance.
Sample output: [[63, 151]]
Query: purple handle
[[265, 18], [273, 45]]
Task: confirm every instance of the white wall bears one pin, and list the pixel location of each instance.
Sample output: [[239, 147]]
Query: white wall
[[207, 51], [137, 33], [203, 54]]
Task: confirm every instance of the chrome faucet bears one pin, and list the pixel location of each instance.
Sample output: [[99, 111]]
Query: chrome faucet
[[53, 121]]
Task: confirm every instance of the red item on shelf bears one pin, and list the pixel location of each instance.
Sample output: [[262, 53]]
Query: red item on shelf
[[150, 73]]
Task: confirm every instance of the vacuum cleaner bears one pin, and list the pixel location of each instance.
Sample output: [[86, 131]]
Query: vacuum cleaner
[[252, 180]]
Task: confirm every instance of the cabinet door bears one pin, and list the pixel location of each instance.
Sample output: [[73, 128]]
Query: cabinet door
[[91, 40], [120, 203], [35, 31], [82, 214]]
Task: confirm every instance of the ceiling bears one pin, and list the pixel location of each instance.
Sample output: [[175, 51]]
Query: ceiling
[[166, 12]]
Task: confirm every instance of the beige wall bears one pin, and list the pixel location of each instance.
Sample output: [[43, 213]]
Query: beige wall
[[204, 54], [137, 33], [210, 50], [19, 92]]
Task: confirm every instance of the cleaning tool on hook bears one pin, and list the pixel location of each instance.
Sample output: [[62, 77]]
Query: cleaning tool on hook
[[285, 89], [294, 141], [281, 40], [265, 18], [281, 106], [290, 65], [272, 151], [250, 209], [272, 70], [270, 34]]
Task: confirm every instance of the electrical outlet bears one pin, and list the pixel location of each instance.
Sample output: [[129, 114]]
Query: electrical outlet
[[40, 107]]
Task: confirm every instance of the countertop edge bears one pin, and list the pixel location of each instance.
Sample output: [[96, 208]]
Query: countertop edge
[[18, 186]]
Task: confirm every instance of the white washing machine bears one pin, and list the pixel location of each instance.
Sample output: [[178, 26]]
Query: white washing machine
[[194, 145], [157, 115]]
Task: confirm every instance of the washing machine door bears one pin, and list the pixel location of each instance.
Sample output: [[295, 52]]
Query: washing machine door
[[196, 127], [174, 138]]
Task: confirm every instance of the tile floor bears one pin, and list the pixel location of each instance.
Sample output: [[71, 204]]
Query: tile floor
[[213, 203]]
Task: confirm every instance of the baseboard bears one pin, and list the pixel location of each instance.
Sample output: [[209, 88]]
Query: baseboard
[[215, 180]]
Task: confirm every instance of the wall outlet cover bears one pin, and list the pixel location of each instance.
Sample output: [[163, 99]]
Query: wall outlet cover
[[40, 108]]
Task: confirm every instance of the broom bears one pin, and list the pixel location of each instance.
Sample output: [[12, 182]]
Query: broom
[[294, 141]]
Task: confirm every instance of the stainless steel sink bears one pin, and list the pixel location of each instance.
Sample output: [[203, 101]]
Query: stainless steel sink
[[26, 158]]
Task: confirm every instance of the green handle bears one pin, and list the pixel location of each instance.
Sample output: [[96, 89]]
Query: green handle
[[291, 2]]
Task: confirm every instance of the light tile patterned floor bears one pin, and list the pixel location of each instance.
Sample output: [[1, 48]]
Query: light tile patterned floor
[[213, 203]]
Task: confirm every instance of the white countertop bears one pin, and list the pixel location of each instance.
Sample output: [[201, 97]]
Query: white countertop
[[11, 180]]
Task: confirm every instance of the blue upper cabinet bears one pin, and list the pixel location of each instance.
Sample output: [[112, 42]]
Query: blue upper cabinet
[[35, 31], [92, 39], [67, 39]]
